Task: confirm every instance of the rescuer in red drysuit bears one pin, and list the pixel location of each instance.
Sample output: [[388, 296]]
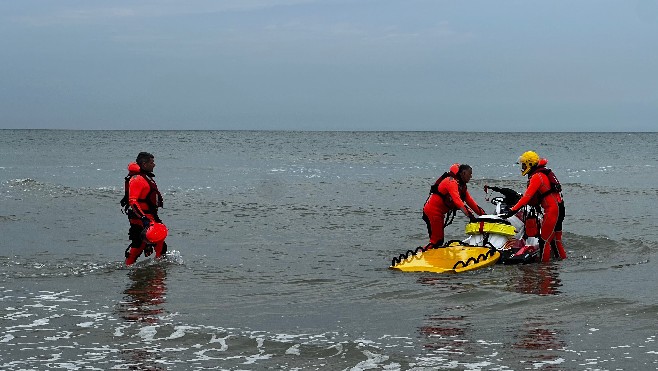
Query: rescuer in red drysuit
[[141, 202], [448, 194], [543, 189]]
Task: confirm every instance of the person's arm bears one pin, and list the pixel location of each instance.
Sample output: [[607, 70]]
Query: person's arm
[[138, 188], [474, 205], [453, 191], [533, 187]]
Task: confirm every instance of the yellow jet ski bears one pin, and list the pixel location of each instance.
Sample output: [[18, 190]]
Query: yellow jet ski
[[454, 257], [491, 239]]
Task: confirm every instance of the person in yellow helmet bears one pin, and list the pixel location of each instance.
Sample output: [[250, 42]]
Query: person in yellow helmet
[[545, 190]]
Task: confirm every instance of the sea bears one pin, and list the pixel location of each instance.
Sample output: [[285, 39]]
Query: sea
[[280, 244]]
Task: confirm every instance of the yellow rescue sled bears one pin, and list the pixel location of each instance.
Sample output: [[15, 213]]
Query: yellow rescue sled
[[453, 258]]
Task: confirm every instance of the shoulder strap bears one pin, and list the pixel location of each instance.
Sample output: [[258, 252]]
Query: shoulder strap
[[556, 187], [124, 200], [435, 187]]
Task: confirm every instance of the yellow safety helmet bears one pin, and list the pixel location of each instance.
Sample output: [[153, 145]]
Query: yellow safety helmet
[[528, 160]]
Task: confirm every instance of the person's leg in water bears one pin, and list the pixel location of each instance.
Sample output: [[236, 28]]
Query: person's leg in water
[[137, 244], [160, 249], [434, 223], [557, 241], [547, 233]]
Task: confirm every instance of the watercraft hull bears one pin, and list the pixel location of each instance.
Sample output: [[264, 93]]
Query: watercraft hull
[[449, 259]]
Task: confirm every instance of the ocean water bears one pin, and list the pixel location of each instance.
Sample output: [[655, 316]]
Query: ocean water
[[280, 244]]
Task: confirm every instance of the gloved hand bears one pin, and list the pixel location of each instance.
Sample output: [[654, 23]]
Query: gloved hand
[[509, 214], [146, 222], [471, 218]]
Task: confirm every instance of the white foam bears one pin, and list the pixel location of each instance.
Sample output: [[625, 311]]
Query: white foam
[[148, 333], [54, 357], [221, 341], [177, 349], [556, 361], [201, 356], [119, 330], [65, 335], [374, 360], [179, 332], [256, 357], [68, 366], [294, 350], [54, 296], [35, 323], [339, 349]]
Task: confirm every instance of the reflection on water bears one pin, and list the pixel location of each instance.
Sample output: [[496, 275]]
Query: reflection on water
[[446, 282], [538, 279], [144, 298], [445, 333], [458, 330], [140, 359], [143, 302], [449, 330], [538, 333], [538, 342]]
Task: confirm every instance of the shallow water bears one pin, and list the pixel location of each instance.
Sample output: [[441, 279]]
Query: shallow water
[[281, 243]]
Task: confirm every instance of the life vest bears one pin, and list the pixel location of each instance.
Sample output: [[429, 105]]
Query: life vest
[[434, 189], [555, 185], [153, 199]]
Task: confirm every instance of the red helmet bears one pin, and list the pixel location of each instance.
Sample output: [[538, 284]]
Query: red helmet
[[157, 232]]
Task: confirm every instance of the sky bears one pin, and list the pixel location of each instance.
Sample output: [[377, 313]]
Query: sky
[[460, 65]]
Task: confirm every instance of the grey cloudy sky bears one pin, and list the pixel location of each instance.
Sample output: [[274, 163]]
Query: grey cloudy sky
[[550, 65]]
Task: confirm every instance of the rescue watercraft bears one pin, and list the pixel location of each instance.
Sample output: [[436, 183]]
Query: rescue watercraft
[[516, 238], [491, 239]]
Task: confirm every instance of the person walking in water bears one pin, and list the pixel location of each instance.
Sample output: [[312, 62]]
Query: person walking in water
[[447, 195], [141, 202], [545, 190]]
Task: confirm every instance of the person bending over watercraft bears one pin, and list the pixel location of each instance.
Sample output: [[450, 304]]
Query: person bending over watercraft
[[545, 190], [141, 202], [448, 194]]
